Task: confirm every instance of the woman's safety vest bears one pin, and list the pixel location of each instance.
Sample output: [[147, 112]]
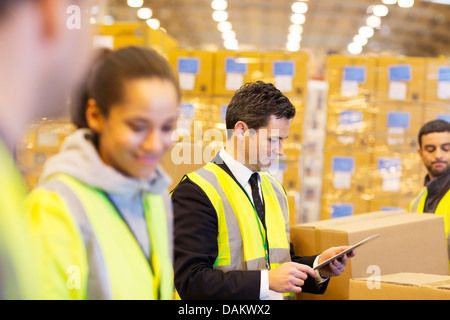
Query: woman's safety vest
[[243, 242], [442, 209], [108, 262]]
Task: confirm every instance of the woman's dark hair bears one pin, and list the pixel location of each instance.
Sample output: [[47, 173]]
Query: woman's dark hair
[[254, 103], [433, 126], [110, 70]]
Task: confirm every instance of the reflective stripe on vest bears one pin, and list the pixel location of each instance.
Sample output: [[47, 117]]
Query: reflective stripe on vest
[[442, 209], [240, 244], [117, 267]]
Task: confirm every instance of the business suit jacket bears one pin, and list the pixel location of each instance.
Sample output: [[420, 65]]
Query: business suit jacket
[[196, 249]]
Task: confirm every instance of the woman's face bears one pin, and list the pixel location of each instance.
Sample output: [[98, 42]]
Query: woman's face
[[137, 132]]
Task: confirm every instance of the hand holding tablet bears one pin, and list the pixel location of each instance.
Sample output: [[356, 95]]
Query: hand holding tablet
[[350, 249]]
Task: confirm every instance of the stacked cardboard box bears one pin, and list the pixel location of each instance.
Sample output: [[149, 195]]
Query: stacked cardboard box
[[401, 286], [407, 243]]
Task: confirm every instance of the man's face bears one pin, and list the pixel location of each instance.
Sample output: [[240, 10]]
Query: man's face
[[435, 153], [265, 145]]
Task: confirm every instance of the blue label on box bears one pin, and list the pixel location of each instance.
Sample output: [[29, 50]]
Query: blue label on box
[[443, 116], [187, 111], [232, 66], [343, 164], [339, 210], [444, 74], [349, 117], [400, 73], [353, 73], [389, 164], [283, 68], [387, 208], [398, 119], [188, 65]]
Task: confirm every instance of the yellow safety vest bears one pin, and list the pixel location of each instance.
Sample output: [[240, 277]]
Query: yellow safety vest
[[242, 240], [442, 209], [17, 265], [106, 264]]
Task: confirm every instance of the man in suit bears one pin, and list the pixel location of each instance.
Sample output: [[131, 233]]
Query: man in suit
[[231, 216]]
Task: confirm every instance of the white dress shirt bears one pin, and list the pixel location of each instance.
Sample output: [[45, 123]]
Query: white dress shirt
[[242, 175]]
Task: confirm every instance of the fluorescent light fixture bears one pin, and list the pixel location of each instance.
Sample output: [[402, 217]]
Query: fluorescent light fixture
[[153, 23], [224, 26], [366, 31], [354, 48], [219, 5], [380, 10], [405, 3], [220, 16], [144, 13], [135, 3], [299, 7], [298, 18]]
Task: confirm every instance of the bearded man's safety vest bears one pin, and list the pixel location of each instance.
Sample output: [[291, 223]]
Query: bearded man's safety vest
[[442, 209], [243, 242], [104, 261]]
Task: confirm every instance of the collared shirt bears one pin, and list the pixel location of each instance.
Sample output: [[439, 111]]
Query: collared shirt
[[242, 175]]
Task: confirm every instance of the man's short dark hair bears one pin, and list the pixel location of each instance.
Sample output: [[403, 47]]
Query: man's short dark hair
[[254, 103], [433, 126]]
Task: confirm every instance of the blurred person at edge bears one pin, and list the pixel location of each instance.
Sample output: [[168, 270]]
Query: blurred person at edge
[[40, 59], [434, 151], [101, 216]]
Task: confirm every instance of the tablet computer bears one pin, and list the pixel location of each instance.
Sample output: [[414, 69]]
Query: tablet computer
[[347, 251]]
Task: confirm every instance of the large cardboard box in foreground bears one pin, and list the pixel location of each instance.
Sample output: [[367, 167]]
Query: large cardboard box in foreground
[[408, 242], [401, 286]]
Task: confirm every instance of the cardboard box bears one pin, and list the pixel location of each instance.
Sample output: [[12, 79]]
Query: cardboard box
[[407, 243], [437, 81], [234, 69], [195, 70], [400, 79], [401, 286], [351, 77], [287, 71]]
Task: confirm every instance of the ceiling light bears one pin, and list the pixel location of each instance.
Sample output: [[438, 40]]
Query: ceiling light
[[293, 46], [373, 21], [299, 7], [231, 44], [228, 35], [219, 5], [366, 31], [298, 18], [220, 16], [294, 37], [224, 26], [380, 10], [153, 23], [144, 13], [354, 48], [360, 40], [405, 3], [135, 3], [295, 28], [389, 1]]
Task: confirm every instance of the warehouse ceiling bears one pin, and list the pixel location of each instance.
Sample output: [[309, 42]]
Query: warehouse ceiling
[[263, 25]]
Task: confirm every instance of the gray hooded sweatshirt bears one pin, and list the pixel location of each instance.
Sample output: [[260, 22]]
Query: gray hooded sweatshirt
[[79, 159]]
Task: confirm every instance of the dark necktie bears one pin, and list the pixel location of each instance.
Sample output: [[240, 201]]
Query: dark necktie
[[257, 198]]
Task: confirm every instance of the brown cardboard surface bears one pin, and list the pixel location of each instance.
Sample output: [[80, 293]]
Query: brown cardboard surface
[[401, 286], [407, 243]]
